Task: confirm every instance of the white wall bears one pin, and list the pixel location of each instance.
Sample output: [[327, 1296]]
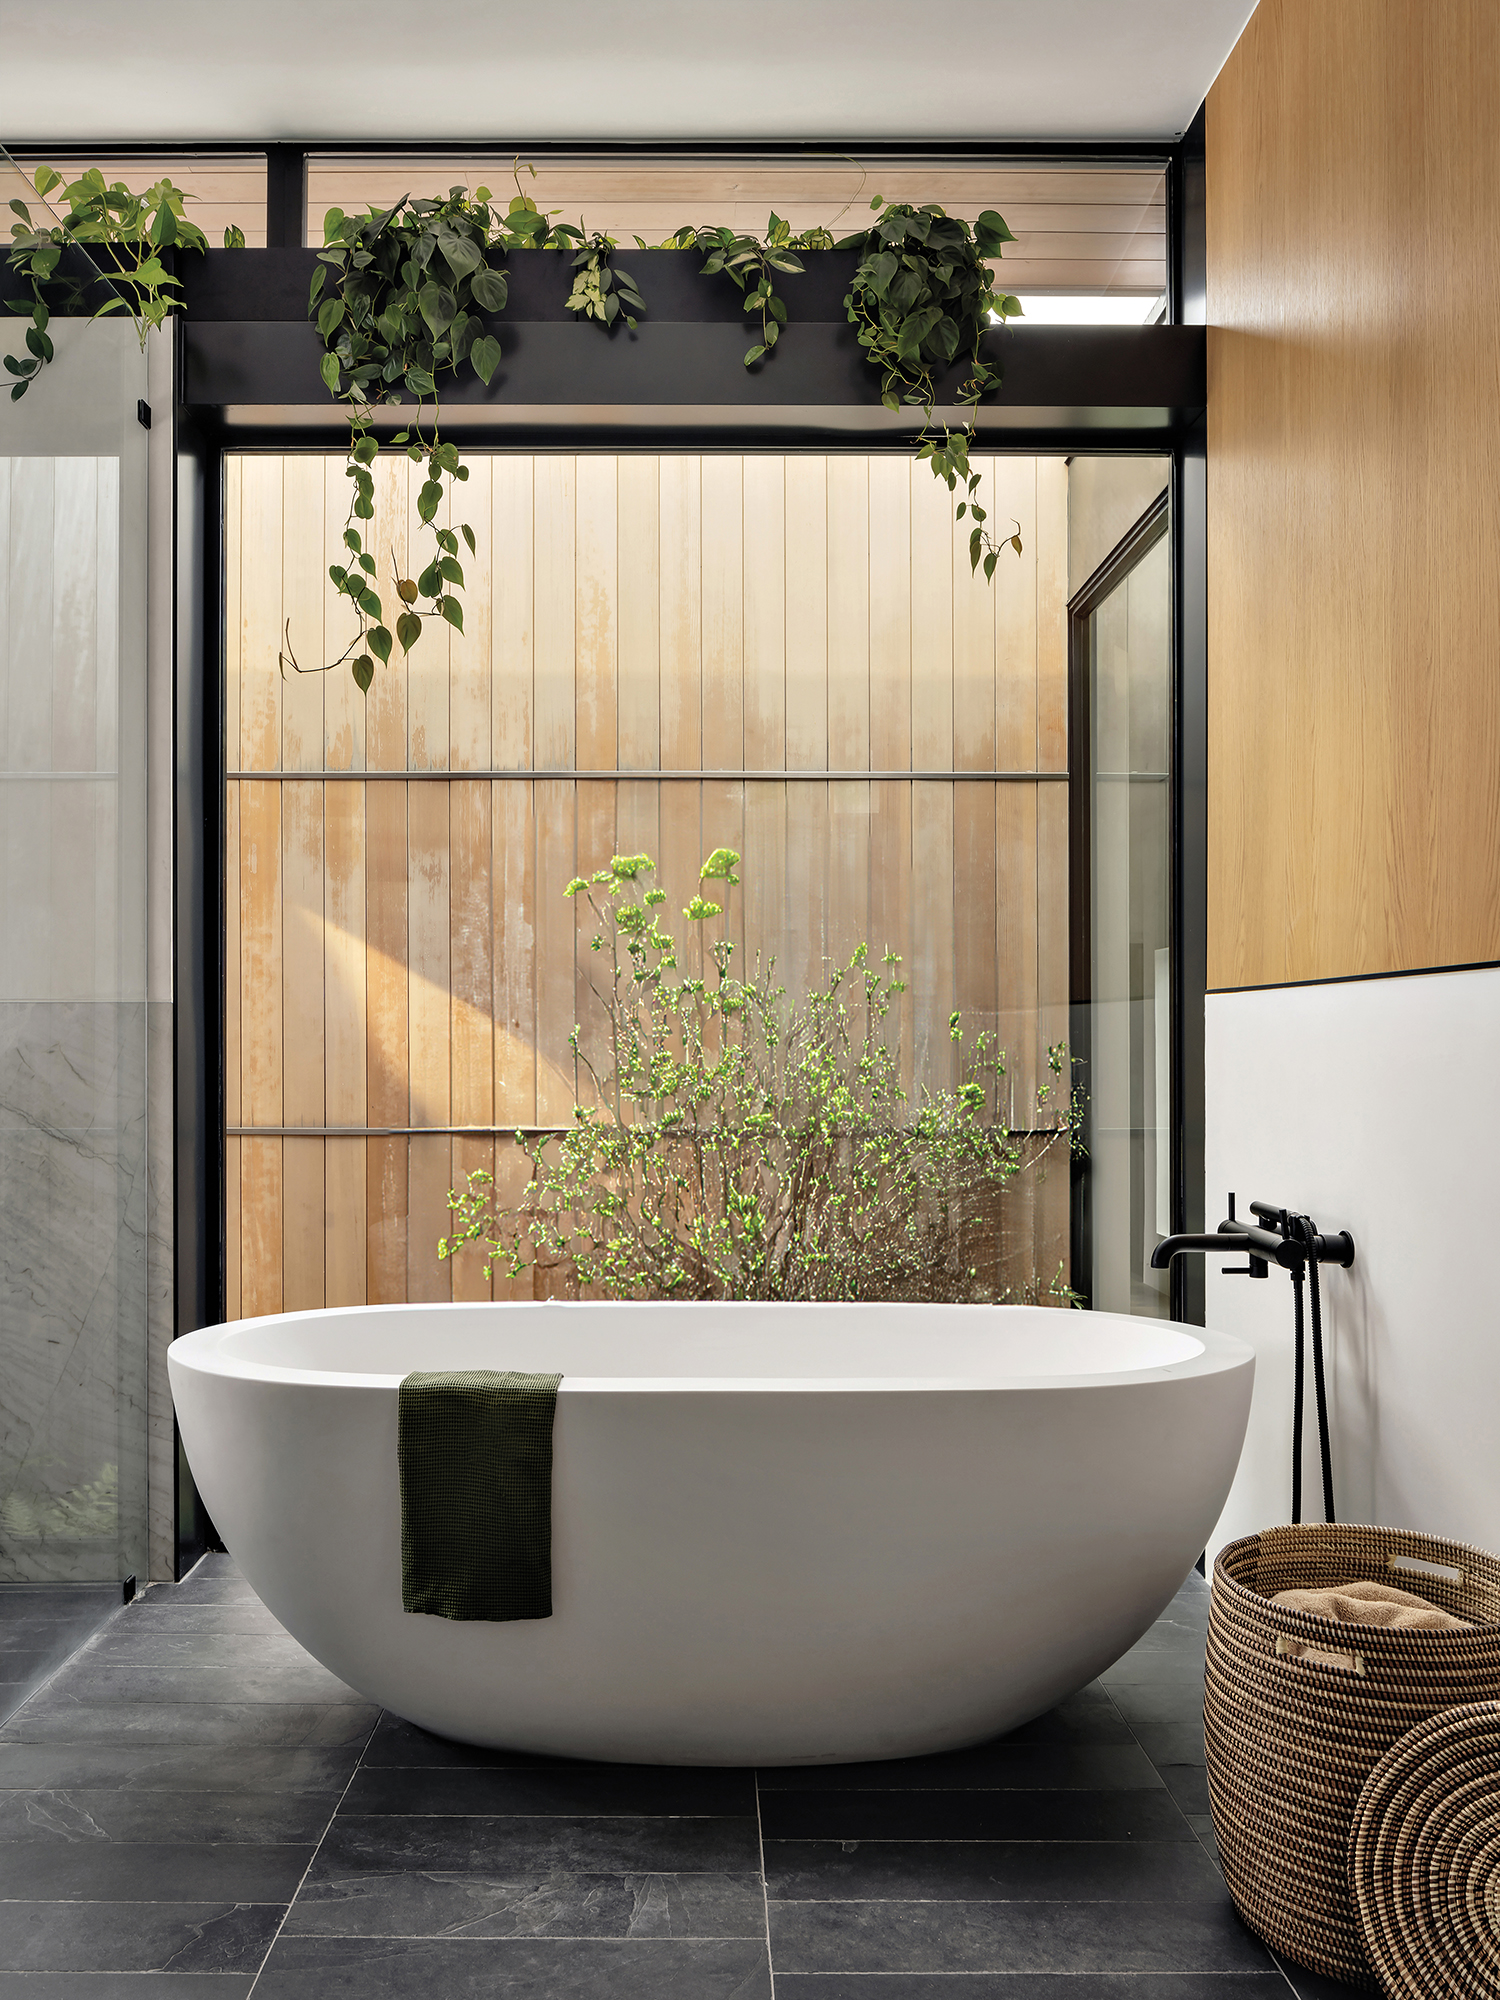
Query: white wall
[[1374, 1106]]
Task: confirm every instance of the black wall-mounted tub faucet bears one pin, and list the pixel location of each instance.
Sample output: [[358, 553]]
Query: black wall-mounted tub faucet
[[1292, 1243], [1295, 1244]]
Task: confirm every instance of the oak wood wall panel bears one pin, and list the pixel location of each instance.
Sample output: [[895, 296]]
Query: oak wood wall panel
[[1354, 513], [403, 964]]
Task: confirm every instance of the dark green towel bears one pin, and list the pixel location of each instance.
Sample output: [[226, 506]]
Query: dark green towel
[[476, 1494]]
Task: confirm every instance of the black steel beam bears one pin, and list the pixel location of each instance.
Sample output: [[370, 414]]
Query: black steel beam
[[286, 197], [251, 354], [1190, 748]]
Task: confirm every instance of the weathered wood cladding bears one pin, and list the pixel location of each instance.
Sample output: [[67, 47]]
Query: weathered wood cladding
[[400, 953]]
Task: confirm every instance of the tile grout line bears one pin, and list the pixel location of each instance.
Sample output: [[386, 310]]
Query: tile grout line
[[312, 1858], [765, 1887], [1125, 1719], [77, 1653]]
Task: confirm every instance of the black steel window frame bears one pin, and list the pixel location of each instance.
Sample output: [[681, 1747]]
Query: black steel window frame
[[201, 444], [1183, 514], [1143, 535]]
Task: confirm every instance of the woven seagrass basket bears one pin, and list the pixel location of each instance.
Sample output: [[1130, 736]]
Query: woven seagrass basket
[[1298, 1710], [1424, 1861]]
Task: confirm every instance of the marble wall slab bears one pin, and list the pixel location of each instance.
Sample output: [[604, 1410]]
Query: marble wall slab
[[161, 1296], [73, 1290]]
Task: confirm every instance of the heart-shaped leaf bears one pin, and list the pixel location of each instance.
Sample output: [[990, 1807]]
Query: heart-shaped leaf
[[484, 356], [490, 290], [408, 629]]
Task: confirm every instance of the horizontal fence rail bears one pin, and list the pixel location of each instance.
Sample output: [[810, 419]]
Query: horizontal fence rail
[[564, 774]]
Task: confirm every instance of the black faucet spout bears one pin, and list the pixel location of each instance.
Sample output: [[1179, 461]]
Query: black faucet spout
[[1174, 1246]]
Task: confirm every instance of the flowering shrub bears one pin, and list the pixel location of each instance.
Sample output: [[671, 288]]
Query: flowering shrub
[[737, 1148]]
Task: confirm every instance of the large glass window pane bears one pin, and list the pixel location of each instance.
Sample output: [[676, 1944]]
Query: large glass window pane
[[1127, 639], [783, 653]]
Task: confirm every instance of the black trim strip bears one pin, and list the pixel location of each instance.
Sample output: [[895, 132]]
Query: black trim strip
[[1358, 978]]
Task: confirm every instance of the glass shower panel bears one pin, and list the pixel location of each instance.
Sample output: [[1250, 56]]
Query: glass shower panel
[[73, 1288], [1130, 688]]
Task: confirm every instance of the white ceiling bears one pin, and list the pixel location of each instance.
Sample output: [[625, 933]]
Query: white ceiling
[[599, 69]]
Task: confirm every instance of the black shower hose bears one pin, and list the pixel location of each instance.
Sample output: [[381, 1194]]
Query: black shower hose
[[1320, 1385]]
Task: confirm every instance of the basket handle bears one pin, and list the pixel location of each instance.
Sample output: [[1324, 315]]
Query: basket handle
[[1319, 1656], [1419, 1566]]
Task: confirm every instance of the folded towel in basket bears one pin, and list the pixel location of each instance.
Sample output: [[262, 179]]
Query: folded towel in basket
[[1373, 1604], [475, 1451]]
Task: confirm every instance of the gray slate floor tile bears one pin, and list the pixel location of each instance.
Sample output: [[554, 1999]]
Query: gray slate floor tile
[[136, 1937], [124, 1986], [260, 1819], [96, 1767], [195, 1751], [1031, 1986], [1012, 1937], [92, 1680], [1004, 1765], [1087, 1717], [520, 1969], [508, 1848], [1188, 1784], [991, 1871], [1172, 1742], [142, 1872], [162, 1643], [1313, 1986], [227, 1726], [234, 1620], [412, 1904]]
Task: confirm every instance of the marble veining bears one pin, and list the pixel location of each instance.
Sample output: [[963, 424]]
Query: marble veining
[[73, 1273], [161, 1297]]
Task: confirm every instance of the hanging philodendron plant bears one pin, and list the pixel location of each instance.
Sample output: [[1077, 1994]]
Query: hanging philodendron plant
[[750, 263], [921, 299], [397, 297], [124, 235], [600, 291]]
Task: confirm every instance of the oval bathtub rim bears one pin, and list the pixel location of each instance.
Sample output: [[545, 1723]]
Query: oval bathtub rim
[[203, 1351]]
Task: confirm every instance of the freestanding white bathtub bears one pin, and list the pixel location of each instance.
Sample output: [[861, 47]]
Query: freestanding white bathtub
[[781, 1534]]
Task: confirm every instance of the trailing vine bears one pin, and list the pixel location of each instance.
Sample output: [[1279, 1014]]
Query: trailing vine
[[398, 297], [126, 234], [921, 298], [599, 290], [748, 262], [401, 297], [401, 314]]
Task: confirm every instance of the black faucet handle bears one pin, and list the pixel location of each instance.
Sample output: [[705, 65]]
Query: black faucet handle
[[1274, 1218]]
